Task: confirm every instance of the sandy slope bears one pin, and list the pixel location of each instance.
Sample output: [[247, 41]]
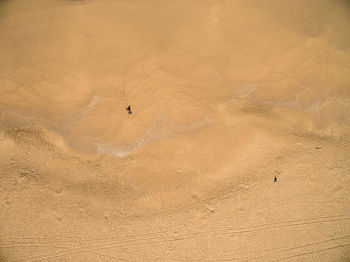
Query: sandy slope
[[226, 95]]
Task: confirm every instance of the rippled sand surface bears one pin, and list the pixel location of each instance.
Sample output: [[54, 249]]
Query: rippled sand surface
[[225, 95]]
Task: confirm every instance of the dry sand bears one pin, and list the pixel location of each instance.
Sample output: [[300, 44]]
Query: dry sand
[[225, 95]]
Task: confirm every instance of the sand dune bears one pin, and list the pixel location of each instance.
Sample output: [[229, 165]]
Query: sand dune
[[226, 96]]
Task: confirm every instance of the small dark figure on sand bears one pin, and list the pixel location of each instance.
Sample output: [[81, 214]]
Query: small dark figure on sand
[[129, 110], [275, 180]]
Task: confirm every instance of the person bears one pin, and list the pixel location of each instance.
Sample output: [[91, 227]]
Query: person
[[275, 180], [129, 110]]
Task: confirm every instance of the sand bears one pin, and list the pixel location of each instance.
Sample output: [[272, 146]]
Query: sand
[[226, 96]]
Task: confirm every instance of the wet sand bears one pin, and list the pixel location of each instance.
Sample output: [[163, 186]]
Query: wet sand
[[225, 95]]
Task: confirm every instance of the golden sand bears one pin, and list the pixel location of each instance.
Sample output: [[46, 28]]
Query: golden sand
[[225, 96]]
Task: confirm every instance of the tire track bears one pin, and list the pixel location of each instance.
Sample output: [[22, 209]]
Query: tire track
[[315, 251], [185, 236], [264, 255], [165, 233], [30, 245], [287, 249]]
